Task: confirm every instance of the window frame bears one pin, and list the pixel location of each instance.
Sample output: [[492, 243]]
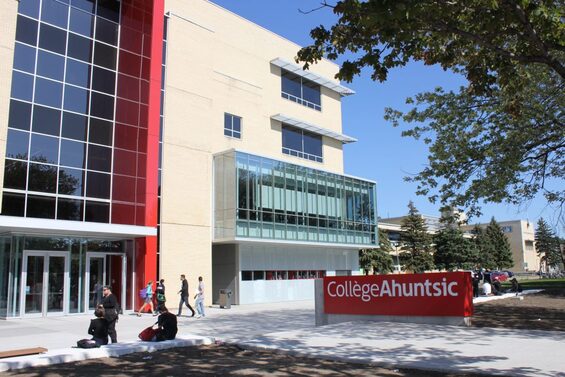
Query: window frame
[[302, 153], [287, 75]]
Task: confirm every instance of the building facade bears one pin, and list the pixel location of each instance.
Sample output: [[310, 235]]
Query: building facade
[[158, 138]]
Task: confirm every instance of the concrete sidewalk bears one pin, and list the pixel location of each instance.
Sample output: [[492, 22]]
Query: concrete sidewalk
[[289, 327]]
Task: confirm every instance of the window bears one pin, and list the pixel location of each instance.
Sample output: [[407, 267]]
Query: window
[[303, 144], [232, 126], [300, 90]]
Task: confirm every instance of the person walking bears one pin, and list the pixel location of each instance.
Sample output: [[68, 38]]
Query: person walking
[[148, 299], [99, 327], [184, 296], [160, 295], [200, 298], [110, 304]]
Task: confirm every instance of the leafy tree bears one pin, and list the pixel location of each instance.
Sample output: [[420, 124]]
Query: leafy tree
[[498, 246], [547, 244], [416, 254], [452, 250], [499, 139]]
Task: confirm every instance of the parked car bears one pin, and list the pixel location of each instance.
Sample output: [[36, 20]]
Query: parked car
[[509, 273], [498, 275]]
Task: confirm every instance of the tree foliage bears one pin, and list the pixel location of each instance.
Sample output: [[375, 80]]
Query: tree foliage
[[485, 257], [378, 260], [416, 250], [547, 244], [498, 245], [452, 250], [499, 139]]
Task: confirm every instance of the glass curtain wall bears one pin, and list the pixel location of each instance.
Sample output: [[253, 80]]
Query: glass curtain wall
[[279, 200]]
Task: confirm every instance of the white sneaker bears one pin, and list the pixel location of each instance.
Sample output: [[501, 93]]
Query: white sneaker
[[198, 316]]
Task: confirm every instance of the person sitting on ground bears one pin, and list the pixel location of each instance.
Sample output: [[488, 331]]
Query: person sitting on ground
[[516, 287], [167, 323], [487, 289], [99, 327], [497, 287]]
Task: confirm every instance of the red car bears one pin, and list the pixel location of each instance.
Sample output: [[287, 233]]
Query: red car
[[498, 275]]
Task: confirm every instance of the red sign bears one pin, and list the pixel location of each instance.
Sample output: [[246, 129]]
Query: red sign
[[432, 294]]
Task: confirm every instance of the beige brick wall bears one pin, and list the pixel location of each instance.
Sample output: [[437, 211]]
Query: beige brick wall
[[219, 62], [8, 10]]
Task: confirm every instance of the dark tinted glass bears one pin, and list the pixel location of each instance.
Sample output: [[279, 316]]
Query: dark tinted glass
[[22, 86], [99, 158], [29, 8], [98, 185], [106, 31], [20, 115], [87, 5], [73, 153], [97, 212], [236, 124], [78, 73], [52, 39], [26, 31], [74, 126], [105, 56], [15, 174], [46, 120], [292, 138], [81, 22], [311, 92], [109, 9], [291, 84], [313, 144], [80, 48], [69, 209], [44, 149], [102, 106], [40, 206], [100, 132], [42, 178], [13, 204], [71, 181], [50, 65], [54, 12], [17, 144], [76, 99], [49, 93], [24, 58], [103, 80]]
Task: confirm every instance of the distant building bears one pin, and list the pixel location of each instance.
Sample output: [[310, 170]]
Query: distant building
[[520, 234]]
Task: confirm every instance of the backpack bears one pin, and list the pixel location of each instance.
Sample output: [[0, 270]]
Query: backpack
[[87, 343], [143, 293]]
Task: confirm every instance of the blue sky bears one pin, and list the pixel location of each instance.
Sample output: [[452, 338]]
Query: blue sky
[[381, 154]]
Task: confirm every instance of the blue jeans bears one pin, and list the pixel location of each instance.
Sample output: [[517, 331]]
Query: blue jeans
[[200, 306]]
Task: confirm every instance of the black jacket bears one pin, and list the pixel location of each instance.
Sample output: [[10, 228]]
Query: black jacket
[[167, 323], [184, 290], [110, 307], [99, 330]]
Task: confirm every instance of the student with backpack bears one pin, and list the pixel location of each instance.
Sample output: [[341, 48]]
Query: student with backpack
[[160, 295], [148, 300]]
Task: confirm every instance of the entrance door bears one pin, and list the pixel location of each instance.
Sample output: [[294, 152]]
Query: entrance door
[[105, 269], [45, 281]]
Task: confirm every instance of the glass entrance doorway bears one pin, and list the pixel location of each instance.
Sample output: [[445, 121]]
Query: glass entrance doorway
[[45, 276], [105, 269]]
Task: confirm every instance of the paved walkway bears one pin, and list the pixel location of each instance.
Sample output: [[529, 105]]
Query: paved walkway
[[289, 327]]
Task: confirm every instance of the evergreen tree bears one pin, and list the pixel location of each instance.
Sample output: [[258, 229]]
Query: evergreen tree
[[379, 260], [416, 255], [366, 257], [547, 244], [498, 245], [484, 256], [452, 250]]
